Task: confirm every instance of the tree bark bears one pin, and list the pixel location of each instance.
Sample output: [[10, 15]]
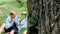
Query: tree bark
[[46, 13]]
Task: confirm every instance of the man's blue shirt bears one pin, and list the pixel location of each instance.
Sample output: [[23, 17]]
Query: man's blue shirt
[[9, 22]]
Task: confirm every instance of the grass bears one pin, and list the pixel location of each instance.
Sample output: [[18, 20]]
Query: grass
[[7, 6]]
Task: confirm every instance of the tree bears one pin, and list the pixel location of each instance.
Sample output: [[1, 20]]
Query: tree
[[46, 14]]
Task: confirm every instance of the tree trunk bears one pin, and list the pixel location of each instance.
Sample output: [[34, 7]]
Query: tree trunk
[[47, 16]]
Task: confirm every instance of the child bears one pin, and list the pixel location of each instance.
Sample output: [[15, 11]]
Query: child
[[24, 22]]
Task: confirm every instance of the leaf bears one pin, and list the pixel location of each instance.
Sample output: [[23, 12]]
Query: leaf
[[32, 22]]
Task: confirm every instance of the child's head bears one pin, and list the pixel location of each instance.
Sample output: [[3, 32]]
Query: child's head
[[24, 14]]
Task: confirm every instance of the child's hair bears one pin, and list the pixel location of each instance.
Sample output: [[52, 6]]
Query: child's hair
[[24, 13]]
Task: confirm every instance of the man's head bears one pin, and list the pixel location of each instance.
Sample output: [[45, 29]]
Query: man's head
[[13, 14]]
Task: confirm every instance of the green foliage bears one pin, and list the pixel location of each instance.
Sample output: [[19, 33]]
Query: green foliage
[[22, 30], [0, 2], [15, 4], [32, 22], [2, 19]]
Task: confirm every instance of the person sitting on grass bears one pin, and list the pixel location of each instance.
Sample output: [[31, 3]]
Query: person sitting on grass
[[24, 22], [11, 25]]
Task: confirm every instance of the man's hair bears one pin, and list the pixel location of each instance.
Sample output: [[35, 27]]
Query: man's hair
[[11, 13]]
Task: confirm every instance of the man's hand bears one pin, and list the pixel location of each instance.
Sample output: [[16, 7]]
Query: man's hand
[[13, 20]]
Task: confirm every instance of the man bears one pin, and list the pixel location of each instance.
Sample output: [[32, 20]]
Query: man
[[11, 25]]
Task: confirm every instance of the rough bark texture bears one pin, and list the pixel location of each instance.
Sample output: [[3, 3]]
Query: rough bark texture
[[47, 16]]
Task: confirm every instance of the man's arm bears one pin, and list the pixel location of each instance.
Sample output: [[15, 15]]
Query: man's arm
[[8, 23]]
